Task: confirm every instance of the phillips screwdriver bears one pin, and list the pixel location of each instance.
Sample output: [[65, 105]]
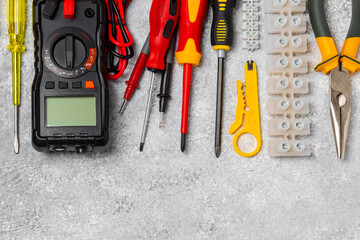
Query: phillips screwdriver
[[138, 70], [164, 16], [16, 20], [164, 94], [192, 16], [221, 40]]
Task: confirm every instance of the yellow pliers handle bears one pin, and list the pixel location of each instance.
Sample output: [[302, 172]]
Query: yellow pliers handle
[[330, 55]]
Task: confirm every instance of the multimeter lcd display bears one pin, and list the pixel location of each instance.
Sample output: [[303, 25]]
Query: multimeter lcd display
[[70, 112]]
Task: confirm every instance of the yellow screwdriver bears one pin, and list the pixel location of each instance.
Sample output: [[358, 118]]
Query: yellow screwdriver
[[16, 20]]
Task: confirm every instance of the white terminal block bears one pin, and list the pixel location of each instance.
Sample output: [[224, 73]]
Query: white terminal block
[[290, 107], [285, 24], [250, 25], [279, 6], [289, 65], [289, 148], [281, 44], [285, 85], [289, 127], [286, 43], [251, 34]]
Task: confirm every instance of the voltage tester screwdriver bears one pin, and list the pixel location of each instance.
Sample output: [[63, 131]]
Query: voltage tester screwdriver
[[164, 94], [136, 74], [221, 40], [16, 20], [192, 16], [164, 16]]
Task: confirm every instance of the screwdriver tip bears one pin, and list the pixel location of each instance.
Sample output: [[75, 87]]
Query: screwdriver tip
[[16, 146], [217, 151], [161, 119], [122, 108], [142, 146], [183, 142]]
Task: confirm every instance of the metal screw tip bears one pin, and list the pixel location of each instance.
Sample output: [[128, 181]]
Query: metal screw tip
[[183, 142], [217, 151], [122, 108]]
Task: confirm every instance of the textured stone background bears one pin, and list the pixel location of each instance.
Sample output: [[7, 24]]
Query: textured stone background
[[164, 194]]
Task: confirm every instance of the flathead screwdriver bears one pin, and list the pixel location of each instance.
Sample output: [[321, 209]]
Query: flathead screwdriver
[[192, 16], [221, 40], [164, 16], [16, 20]]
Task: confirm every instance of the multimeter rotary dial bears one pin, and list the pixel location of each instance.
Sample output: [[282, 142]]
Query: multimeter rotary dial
[[69, 53]]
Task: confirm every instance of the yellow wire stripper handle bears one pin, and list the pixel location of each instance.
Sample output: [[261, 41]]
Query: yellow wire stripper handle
[[16, 20], [247, 114]]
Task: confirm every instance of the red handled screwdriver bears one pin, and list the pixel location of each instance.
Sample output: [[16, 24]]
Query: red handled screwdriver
[[164, 16], [136, 74], [192, 16]]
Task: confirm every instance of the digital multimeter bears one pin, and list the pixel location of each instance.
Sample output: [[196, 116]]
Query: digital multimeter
[[69, 93]]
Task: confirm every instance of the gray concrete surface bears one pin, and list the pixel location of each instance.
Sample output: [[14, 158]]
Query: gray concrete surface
[[164, 194]]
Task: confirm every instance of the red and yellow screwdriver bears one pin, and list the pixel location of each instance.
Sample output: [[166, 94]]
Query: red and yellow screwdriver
[[192, 16], [164, 16]]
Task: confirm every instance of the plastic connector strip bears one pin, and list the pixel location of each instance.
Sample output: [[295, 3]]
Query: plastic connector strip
[[286, 43], [250, 25]]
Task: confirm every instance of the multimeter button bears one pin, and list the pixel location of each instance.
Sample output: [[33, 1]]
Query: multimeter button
[[49, 85], [89, 85], [76, 85], [59, 149], [69, 9], [63, 85], [50, 9]]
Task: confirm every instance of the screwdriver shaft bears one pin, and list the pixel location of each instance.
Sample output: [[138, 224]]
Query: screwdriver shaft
[[185, 105], [219, 100], [147, 113], [16, 132]]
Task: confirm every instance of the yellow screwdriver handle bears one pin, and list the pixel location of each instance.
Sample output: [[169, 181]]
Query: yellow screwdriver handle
[[16, 20]]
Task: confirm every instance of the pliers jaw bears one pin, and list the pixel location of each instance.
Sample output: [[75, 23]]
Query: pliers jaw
[[340, 107]]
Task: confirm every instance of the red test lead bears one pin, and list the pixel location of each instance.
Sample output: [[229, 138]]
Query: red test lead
[[138, 70]]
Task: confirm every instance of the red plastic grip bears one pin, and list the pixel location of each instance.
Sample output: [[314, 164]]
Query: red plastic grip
[[135, 76], [192, 16], [164, 16]]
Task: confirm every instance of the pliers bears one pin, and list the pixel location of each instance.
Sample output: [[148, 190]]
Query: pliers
[[340, 66]]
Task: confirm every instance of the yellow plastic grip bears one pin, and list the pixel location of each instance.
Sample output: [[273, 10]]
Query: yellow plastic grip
[[194, 6], [221, 47], [16, 20], [189, 55], [348, 54], [329, 53]]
